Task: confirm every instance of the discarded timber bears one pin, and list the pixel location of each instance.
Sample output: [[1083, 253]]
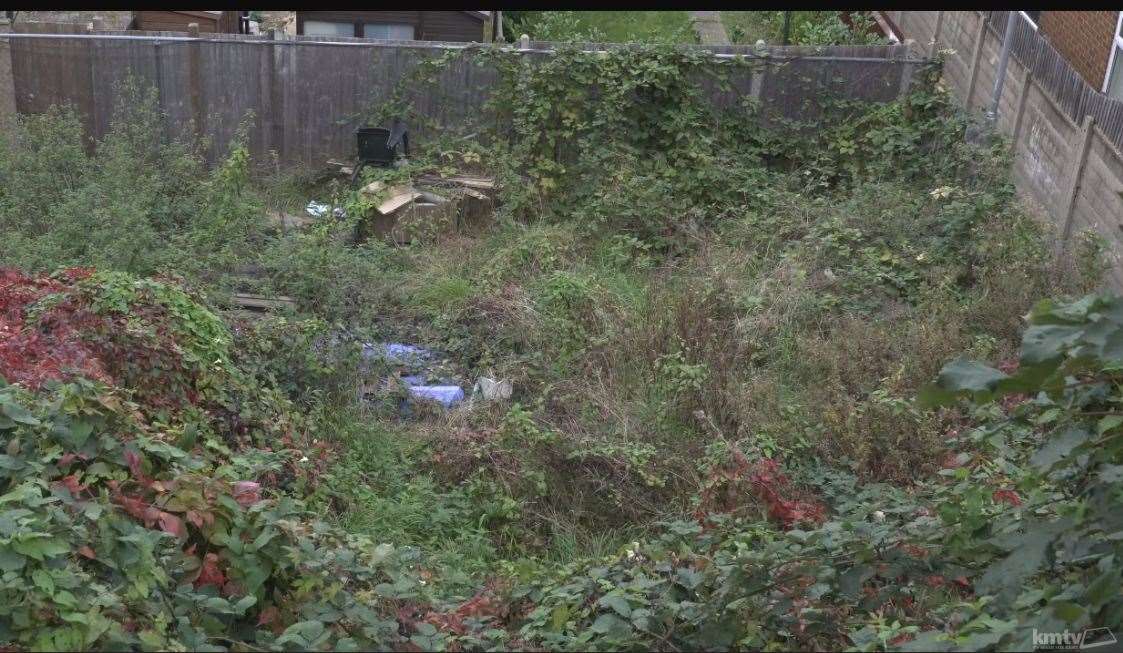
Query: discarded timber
[[260, 303], [397, 196]]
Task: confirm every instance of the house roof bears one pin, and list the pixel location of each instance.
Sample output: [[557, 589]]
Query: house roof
[[479, 15]]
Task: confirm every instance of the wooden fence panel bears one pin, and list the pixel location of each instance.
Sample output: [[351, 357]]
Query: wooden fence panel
[[306, 95]]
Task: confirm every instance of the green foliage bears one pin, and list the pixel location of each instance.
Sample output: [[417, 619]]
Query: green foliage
[[600, 26], [807, 27], [136, 204], [691, 307], [126, 525]]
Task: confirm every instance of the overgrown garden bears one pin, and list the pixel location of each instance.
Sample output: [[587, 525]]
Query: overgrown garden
[[773, 387]]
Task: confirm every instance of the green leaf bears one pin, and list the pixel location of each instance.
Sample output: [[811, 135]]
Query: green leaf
[[559, 616], [263, 539], [1111, 473], [245, 603], [1108, 423], [618, 603], [76, 434], [962, 375], [10, 560], [40, 546], [1067, 610], [42, 579], [1105, 588], [1029, 551], [610, 623], [689, 578], [1048, 343], [930, 640], [307, 631], [1059, 446], [18, 413], [218, 604], [850, 582]]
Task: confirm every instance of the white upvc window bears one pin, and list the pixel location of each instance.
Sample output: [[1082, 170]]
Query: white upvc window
[[1113, 80]]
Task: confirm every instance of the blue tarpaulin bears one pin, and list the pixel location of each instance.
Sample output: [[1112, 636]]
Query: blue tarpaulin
[[415, 360], [447, 395]]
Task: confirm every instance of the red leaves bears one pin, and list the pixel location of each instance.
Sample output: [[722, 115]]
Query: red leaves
[[767, 483], [73, 274], [268, 616], [50, 349], [482, 605], [169, 523], [914, 551], [900, 639], [209, 573], [68, 338], [87, 552], [200, 518], [149, 514], [71, 483], [132, 459], [1007, 496], [247, 493]]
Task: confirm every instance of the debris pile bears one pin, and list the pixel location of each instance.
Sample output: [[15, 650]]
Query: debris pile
[[419, 368], [428, 207], [428, 376]]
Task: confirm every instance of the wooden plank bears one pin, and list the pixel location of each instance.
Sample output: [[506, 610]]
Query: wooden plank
[[396, 196], [482, 183], [397, 200], [261, 302]]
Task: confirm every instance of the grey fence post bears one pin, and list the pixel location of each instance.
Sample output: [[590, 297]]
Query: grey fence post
[[7, 79], [1027, 82], [1000, 74], [936, 35], [976, 58], [1077, 173]]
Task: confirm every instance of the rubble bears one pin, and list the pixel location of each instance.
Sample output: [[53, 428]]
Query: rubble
[[492, 390], [319, 210]]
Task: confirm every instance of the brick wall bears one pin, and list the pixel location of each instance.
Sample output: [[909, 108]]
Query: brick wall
[[1084, 38]]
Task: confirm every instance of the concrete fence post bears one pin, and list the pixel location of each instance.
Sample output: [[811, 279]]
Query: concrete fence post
[[1086, 132], [976, 59], [935, 45], [1027, 82], [7, 80], [906, 79]]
